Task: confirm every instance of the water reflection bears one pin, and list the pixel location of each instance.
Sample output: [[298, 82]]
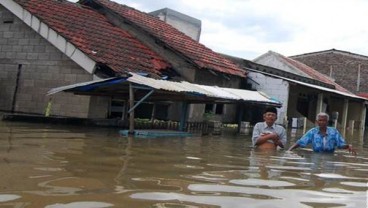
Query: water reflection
[[64, 166]]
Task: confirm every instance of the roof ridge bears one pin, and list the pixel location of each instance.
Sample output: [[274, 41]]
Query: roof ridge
[[314, 73], [176, 40], [328, 51]]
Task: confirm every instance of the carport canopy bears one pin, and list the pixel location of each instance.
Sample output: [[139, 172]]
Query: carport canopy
[[153, 90]]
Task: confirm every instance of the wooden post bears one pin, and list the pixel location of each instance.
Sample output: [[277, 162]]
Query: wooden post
[[131, 104], [153, 112], [240, 116], [345, 116], [363, 117], [304, 124], [183, 118], [319, 103]]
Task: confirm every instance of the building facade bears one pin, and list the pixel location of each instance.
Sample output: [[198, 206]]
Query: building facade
[[46, 44], [347, 69]]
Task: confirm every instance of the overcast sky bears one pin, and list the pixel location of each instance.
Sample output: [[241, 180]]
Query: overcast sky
[[250, 28]]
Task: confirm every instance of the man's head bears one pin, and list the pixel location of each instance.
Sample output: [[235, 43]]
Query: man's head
[[270, 115], [322, 119]]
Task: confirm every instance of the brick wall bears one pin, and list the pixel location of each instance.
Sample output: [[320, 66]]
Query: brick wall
[[342, 68], [30, 66]]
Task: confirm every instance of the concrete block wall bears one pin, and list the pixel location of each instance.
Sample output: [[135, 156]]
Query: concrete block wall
[[344, 68], [39, 67], [276, 88]]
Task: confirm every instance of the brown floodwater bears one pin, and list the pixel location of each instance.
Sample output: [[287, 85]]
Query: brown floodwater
[[56, 166]]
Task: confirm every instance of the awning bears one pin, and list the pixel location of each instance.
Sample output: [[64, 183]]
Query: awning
[[164, 90]]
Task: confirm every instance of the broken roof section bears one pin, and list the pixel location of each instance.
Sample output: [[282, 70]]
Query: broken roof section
[[95, 36], [165, 90], [173, 39], [112, 47]]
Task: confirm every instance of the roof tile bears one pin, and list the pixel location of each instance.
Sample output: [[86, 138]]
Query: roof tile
[[313, 73], [201, 55], [92, 33]]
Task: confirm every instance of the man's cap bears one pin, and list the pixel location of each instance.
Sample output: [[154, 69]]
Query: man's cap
[[271, 110]]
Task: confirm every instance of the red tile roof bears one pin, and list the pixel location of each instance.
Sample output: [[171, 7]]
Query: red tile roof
[[198, 53], [363, 94], [313, 73], [92, 33]]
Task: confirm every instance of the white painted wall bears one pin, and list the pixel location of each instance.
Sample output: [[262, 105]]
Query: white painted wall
[[273, 87], [273, 60]]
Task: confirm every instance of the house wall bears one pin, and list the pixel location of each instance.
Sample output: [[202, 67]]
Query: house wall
[[229, 114], [30, 66], [276, 88], [344, 69], [354, 113], [270, 60]]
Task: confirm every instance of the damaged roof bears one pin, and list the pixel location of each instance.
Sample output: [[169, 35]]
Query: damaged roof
[[164, 90], [93, 34], [115, 48], [202, 56], [301, 68]]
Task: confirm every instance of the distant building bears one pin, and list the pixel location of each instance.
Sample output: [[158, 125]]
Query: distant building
[[349, 70], [184, 23], [303, 91]]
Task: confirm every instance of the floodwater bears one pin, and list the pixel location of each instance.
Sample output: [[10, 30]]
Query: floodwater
[[78, 167]]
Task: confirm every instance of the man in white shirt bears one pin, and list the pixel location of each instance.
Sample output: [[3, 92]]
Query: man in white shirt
[[267, 134]]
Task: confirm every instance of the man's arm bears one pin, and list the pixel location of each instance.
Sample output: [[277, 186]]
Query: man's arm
[[342, 143], [303, 141], [264, 137], [349, 147], [282, 138], [296, 145]]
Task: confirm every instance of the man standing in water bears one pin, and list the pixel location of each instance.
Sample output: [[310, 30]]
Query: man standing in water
[[267, 134], [322, 137]]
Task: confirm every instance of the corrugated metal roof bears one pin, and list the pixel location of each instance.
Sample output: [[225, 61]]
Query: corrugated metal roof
[[206, 90], [202, 91]]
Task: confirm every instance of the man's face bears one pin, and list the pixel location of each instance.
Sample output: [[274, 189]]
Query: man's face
[[269, 117], [322, 121]]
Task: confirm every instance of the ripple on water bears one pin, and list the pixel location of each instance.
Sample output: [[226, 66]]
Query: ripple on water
[[288, 167], [8, 197], [193, 158], [49, 169], [228, 197], [184, 166], [81, 205], [334, 176], [260, 182], [355, 184], [169, 205]]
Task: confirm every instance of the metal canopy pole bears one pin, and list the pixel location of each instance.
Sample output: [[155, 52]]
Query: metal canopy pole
[[132, 106], [183, 118], [131, 110], [140, 101]]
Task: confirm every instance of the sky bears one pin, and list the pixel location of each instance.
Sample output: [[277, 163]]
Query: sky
[[250, 28]]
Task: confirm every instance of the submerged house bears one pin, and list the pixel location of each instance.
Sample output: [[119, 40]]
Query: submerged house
[[51, 43], [349, 70], [304, 91]]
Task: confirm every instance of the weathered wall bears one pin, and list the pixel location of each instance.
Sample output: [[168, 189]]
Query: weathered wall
[[39, 67], [184, 23], [229, 114], [343, 68], [276, 88]]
